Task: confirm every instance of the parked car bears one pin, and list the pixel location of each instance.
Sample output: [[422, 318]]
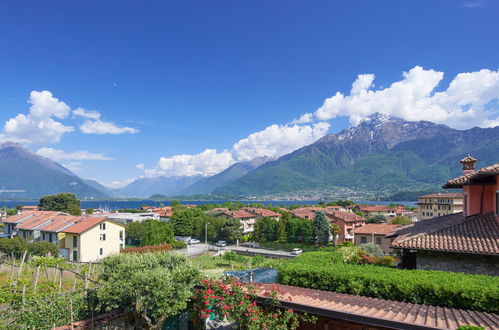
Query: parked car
[[296, 251], [221, 244], [193, 241]]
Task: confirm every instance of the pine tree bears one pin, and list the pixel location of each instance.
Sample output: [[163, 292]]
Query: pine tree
[[321, 228]]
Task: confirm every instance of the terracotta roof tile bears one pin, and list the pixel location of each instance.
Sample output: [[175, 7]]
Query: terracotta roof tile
[[467, 178], [478, 234], [378, 311], [344, 216], [376, 228], [239, 214], [261, 212], [84, 223]]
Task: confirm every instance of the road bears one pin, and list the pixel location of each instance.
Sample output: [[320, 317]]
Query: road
[[257, 251]]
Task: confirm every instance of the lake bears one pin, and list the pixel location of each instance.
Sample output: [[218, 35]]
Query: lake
[[113, 205]]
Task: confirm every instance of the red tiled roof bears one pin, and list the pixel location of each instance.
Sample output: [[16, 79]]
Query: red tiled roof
[[376, 228], [261, 212], [239, 214], [377, 312], [377, 208], [303, 213], [477, 234], [443, 195], [344, 216], [28, 214], [467, 178], [84, 223]]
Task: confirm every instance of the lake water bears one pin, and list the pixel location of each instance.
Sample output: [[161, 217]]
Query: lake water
[[114, 205]]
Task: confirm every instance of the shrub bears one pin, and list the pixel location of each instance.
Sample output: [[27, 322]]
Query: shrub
[[352, 254], [324, 271], [176, 244], [371, 248], [145, 249], [385, 261]]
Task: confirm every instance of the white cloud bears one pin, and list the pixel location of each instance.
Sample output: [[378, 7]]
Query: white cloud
[[306, 118], [462, 105], [38, 127], [278, 140], [59, 155], [208, 162], [73, 166], [273, 141], [92, 114], [140, 166], [119, 184], [104, 127]]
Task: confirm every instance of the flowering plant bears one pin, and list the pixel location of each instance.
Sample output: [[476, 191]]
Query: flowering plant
[[230, 300]]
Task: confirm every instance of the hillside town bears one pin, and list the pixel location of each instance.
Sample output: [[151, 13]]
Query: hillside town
[[453, 233]]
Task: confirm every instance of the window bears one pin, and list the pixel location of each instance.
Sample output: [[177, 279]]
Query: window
[[102, 226], [102, 237], [75, 241], [101, 251], [43, 236], [50, 238], [121, 235], [378, 240], [363, 239], [75, 255], [497, 202]]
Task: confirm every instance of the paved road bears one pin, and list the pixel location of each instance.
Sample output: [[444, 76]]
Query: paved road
[[196, 249]]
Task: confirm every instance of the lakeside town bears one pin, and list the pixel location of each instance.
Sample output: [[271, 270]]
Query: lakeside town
[[305, 257]]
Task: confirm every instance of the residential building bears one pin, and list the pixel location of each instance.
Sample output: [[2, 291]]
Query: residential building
[[130, 217], [259, 212], [436, 205], [247, 219], [386, 212], [79, 238], [375, 233], [164, 213], [29, 208], [348, 222], [461, 242]]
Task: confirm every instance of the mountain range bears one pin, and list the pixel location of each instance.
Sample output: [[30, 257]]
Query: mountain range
[[379, 156]]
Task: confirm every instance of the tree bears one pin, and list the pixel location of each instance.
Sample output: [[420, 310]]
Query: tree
[[372, 248], [175, 203], [231, 230], [183, 220], [335, 232], [89, 211], [152, 286], [230, 256], [151, 232], [306, 231], [63, 202], [321, 228], [214, 227], [376, 219], [293, 227], [265, 230], [401, 220], [281, 231], [43, 249]]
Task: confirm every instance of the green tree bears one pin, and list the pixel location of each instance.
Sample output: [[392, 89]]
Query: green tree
[[321, 228], [281, 231], [401, 220], [152, 286], [63, 202], [43, 249], [175, 203], [231, 257], [155, 232], [183, 220], [231, 230], [376, 219], [293, 227], [89, 211], [265, 230], [306, 231], [335, 232]]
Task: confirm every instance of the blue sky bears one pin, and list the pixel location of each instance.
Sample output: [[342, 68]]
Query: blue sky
[[173, 78]]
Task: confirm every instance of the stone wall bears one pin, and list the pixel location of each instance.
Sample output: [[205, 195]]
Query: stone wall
[[458, 262]]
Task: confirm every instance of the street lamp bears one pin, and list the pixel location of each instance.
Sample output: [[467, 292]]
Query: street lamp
[[206, 233]]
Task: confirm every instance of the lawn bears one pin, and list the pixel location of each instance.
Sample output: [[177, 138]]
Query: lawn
[[216, 266]]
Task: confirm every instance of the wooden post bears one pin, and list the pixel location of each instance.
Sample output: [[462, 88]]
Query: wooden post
[[11, 277], [55, 273], [24, 297], [60, 280], [46, 271], [20, 268], [87, 276], [36, 278], [76, 276]]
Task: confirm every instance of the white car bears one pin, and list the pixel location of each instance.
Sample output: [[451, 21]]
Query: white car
[[193, 241], [296, 251]]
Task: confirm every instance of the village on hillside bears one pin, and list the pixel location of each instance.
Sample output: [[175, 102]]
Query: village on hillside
[[338, 264]]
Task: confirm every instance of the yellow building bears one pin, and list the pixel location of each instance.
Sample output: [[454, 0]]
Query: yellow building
[[78, 238], [436, 205]]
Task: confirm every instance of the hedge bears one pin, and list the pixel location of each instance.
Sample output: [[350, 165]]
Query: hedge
[[325, 271], [145, 249]]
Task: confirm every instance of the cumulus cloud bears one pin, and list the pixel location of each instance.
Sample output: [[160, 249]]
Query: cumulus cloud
[[273, 141], [207, 162], [464, 104], [58, 155], [119, 184], [104, 127], [38, 126], [278, 140], [92, 114], [140, 166]]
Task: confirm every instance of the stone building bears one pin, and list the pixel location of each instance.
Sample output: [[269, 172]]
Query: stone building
[[462, 242]]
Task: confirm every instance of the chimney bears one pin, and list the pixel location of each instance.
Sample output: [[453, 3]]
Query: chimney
[[468, 164]]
